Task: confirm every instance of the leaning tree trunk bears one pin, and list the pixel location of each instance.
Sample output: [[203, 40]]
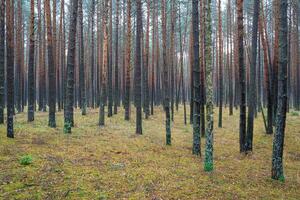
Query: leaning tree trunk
[[69, 119], [278, 142], [51, 68]]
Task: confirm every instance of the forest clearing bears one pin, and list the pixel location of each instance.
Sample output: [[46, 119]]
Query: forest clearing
[[114, 163]]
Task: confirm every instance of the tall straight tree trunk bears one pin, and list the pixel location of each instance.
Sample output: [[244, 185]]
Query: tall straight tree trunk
[[231, 65], [191, 58], [220, 67], [208, 160], [92, 54], [278, 142], [127, 102], [60, 57], [54, 43], [10, 66], [166, 73], [154, 28], [104, 65], [51, 68], [2, 66], [81, 61], [251, 110], [275, 57], [137, 71], [116, 92], [181, 69], [172, 53], [196, 79], [242, 73], [110, 70], [69, 119], [202, 70], [18, 58], [31, 88], [146, 65]]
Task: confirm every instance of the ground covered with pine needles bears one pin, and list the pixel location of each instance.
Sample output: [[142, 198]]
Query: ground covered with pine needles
[[114, 163]]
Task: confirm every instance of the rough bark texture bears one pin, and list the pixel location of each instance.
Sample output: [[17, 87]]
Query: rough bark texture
[[51, 68], [81, 62], [10, 66], [104, 65], [196, 79], [31, 88], [110, 70], [69, 115], [251, 110], [2, 50], [208, 160], [165, 73], [138, 68], [242, 73], [146, 65], [220, 67], [278, 142], [116, 92], [128, 63]]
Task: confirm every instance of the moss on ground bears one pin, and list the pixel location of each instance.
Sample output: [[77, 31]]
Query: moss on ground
[[113, 163]]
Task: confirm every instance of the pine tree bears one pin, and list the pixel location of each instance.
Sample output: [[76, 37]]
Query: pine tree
[[252, 94], [116, 92], [31, 86], [69, 119], [137, 71], [128, 63], [196, 79], [278, 142], [10, 67], [110, 70], [242, 73], [166, 74], [2, 66], [220, 66], [146, 65], [51, 69], [104, 65], [81, 61], [208, 160]]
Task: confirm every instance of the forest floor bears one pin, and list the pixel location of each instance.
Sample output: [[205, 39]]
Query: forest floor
[[114, 163]]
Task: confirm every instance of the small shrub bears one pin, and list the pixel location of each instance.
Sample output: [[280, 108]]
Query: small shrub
[[26, 160], [282, 179], [295, 114], [103, 196], [208, 166]]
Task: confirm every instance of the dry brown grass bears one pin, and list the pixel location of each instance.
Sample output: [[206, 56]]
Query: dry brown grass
[[113, 163]]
